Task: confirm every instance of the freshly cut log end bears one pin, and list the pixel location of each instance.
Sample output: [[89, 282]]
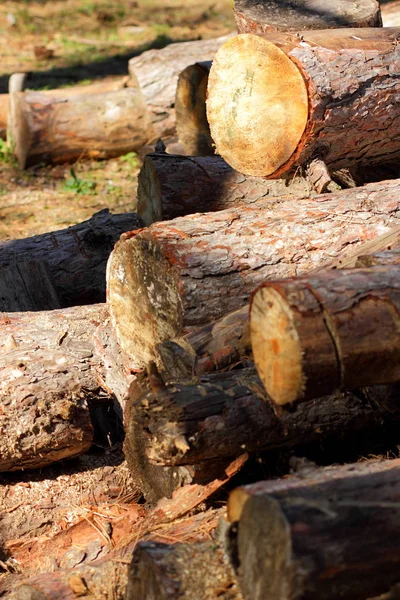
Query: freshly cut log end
[[276, 344], [258, 103], [137, 263], [334, 330], [261, 16]]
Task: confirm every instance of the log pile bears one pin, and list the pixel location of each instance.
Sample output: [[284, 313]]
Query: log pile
[[248, 315]]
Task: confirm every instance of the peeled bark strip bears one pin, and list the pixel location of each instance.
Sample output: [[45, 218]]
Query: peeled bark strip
[[190, 271], [190, 107], [47, 381], [330, 331], [225, 414], [321, 543], [57, 129], [276, 103], [27, 285], [76, 256], [255, 16], [172, 186], [157, 72], [184, 571]]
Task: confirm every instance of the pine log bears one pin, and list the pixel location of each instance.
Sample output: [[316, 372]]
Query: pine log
[[264, 16], [223, 414], [184, 571], [190, 271], [329, 331], [190, 108], [157, 72], [386, 257], [58, 129], [391, 13], [172, 186], [27, 285], [48, 383], [76, 256], [277, 102], [319, 542]]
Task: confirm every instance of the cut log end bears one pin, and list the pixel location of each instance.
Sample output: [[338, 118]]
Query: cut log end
[[138, 264], [253, 16], [257, 106], [276, 346]]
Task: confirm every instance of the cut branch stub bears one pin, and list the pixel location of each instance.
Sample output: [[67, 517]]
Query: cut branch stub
[[257, 102], [261, 16], [329, 331], [277, 102]]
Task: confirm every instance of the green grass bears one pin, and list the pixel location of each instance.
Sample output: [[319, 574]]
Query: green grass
[[78, 185]]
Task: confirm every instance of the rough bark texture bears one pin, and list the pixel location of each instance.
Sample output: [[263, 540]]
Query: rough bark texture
[[185, 571], [253, 16], [224, 414], [172, 186], [319, 544], [77, 256], [329, 331], [158, 70], [292, 98], [27, 285], [56, 129], [190, 108], [190, 271], [47, 380]]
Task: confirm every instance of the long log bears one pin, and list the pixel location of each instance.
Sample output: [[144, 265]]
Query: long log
[[172, 186], [319, 540], [157, 72], [185, 571], [255, 16], [76, 256], [279, 102], [328, 331], [28, 285], [224, 414], [58, 129], [190, 271], [48, 383]]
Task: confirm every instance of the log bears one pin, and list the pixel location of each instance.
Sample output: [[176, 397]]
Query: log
[[76, 256], [27, 285], [255, 16], [318, 541], [330, 331], [48, 383], [172, 186], [386, 257], [59, 129], [157, 72], [276, 103], [190, 108], [185, 571], [391, 14], [221, 415], [190, 271]]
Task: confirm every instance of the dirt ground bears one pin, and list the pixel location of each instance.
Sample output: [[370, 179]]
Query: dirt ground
[[88, 40]]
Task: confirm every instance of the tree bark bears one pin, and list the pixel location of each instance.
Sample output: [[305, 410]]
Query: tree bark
[[278, 102], [157, 72], [171, 186], [190, 271], [253, 16], [48, 383], [76, 256], [328, 331], [190, 107], [224, 414], [318, 542], [27, 285], [58, 129], [184, 571]]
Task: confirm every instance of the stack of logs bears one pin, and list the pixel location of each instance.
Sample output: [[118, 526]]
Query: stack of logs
[[252, 304]]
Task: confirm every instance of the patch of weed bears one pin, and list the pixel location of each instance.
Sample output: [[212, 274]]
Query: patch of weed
[[130, 159], [78, 185], [7, 153]]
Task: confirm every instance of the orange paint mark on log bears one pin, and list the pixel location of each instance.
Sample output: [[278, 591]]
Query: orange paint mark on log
[[275, 346]]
